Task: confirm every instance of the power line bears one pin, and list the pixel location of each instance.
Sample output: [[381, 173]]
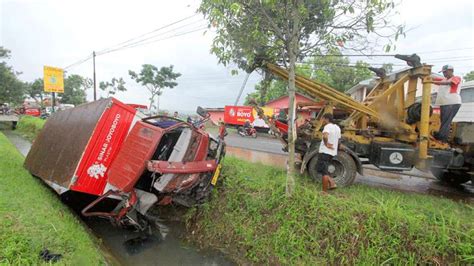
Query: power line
[[79, 62], [107, 50], [387, 55], [150, 32], [162, 39], [449, 50]]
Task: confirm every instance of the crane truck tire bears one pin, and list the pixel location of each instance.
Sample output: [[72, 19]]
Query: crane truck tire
[[450, 177], [343, 169]]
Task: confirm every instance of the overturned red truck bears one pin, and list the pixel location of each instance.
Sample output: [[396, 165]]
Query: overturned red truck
[[108, 150]]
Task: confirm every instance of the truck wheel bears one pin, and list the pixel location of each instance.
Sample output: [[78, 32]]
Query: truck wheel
[[342, 169], [450, 177]]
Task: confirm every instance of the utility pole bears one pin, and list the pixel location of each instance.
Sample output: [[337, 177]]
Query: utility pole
[[242, 88], [93, 63]]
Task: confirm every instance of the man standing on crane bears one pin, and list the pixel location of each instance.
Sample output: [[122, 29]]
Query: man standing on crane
[[448, 99], [327, 150]]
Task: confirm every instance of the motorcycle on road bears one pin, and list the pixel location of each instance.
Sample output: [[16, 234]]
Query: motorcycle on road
[[247, 132]]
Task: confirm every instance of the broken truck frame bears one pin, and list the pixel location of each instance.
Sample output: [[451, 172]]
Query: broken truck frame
[[108, 150]]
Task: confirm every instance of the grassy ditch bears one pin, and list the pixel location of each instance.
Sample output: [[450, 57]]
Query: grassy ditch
[[30, 126], [32, 218], [250, 218]]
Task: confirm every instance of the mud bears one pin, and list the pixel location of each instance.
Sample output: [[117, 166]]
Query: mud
[[165, 246]]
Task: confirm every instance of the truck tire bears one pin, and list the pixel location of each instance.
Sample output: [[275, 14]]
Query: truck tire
[[343, 169], [450, 177]]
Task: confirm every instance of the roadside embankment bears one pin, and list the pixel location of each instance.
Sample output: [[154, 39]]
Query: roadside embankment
[[251, 219], [32, 218], [30, 126]]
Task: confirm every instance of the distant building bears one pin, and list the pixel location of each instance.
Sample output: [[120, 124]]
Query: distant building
[[217, 114], [363, 88], [277, 104], [465, 113]]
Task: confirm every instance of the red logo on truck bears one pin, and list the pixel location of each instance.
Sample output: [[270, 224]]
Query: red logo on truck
[[102, 148]]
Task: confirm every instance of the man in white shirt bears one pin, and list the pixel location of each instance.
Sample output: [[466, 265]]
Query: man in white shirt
[[328, 149], [448, 99]]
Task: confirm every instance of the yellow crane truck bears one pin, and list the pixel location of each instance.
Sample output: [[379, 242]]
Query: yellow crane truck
[[389, 129]]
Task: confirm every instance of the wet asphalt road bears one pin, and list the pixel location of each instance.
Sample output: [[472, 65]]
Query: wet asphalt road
[[264, 143]]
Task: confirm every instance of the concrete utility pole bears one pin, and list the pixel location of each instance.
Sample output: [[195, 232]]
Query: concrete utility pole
[[242, 88], [93, 63]]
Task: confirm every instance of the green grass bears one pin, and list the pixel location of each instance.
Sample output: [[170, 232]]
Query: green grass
[[32, 218], [30, 126], [250, 218]]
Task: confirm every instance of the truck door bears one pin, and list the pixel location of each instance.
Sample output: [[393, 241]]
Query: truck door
[[130, 163]]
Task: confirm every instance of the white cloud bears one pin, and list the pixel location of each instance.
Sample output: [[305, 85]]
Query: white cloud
[[58, 33]]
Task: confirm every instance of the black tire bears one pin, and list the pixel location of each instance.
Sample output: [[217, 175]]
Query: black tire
[[240, 131], [450, 177], [345, 169]]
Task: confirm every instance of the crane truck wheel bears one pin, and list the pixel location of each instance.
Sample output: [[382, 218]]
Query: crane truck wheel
[[450, 177], [343, 169]]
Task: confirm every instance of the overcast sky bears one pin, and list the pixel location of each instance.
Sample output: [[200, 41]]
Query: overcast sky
[[61, 32]]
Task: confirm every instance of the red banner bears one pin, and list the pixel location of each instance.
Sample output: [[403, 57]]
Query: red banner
[[237, 115]]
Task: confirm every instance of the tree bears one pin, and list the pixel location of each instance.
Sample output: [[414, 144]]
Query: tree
[[155, 80], [287, 31], [12, 90], [75, 87], [112, 87], [469, 76], [35, 90]]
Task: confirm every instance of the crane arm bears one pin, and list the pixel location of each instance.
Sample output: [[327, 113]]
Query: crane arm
[[324, 92]]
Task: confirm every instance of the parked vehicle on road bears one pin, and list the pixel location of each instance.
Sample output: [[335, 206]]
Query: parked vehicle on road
[[110, 152], [247, 131]]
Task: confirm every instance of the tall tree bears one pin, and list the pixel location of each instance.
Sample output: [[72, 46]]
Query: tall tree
[[469, 76], [35, 90], [286, 31], [75, 87], [12, 90], [112, 87], [155, 80]]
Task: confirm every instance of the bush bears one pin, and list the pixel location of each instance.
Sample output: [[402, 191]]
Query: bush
[[251, 218], [30, 126]]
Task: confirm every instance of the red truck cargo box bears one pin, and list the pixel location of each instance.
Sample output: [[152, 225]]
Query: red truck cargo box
[[77, 146], [237, 115]]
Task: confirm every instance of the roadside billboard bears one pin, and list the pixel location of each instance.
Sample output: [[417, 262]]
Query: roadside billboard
[[53, 79], [237, 115]]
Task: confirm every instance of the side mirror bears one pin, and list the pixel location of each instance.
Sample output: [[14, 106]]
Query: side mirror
[[201, 111]]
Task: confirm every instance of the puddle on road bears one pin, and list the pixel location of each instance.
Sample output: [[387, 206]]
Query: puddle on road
[[154, 250]]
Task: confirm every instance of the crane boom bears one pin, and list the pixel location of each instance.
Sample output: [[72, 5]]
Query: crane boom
[[324, 92]]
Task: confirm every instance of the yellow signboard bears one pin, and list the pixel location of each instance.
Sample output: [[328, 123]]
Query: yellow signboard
[[268, 111], [53, 79]]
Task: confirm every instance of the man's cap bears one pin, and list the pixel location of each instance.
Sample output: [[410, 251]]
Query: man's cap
[[446, 67]]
